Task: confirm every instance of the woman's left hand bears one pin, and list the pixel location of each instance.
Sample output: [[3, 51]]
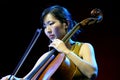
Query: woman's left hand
[[60, 46]]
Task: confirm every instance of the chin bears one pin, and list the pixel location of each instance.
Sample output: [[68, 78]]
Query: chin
[[52, 39]]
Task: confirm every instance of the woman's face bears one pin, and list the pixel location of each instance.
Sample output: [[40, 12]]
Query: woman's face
[[53, 27]]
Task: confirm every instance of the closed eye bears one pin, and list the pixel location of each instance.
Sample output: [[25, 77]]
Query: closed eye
[[49, 23]]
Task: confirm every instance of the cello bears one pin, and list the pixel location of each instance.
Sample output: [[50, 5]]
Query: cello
[[47, 68]]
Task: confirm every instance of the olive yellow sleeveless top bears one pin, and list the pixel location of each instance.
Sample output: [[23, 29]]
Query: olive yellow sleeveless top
[[77, 74], [68, 70]]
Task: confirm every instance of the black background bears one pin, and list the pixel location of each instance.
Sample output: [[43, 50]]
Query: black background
[[19, 21]]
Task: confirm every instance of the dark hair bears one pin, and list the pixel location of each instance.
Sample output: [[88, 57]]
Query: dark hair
[[62, 14]]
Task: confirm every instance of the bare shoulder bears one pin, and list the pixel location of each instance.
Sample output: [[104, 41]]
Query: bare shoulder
[[85, 45], [86, 48]]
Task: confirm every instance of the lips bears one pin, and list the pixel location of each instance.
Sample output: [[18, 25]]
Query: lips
[[51, 36]]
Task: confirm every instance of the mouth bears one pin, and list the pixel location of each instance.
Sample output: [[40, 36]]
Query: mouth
[[51, 37]]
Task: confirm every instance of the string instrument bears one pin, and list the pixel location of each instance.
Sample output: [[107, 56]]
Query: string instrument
[[46, 69]]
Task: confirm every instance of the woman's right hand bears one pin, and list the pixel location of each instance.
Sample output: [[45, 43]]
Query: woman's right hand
[[5, 77], [8, 76]]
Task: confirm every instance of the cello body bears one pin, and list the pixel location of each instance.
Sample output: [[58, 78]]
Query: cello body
[[61, 68]]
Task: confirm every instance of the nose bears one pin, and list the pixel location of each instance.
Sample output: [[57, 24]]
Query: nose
[[48, 29]]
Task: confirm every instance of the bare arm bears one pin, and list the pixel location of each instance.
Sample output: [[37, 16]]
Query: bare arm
[[87, 64], [26, 77], [85, 61], [40, 60]]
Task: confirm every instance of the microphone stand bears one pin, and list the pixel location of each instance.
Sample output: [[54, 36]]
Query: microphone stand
[[30, 46]]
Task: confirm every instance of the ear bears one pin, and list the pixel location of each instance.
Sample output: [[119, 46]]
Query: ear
[[66, 24]]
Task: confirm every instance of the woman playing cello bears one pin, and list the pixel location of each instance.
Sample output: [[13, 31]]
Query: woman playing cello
[[79, 62]]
